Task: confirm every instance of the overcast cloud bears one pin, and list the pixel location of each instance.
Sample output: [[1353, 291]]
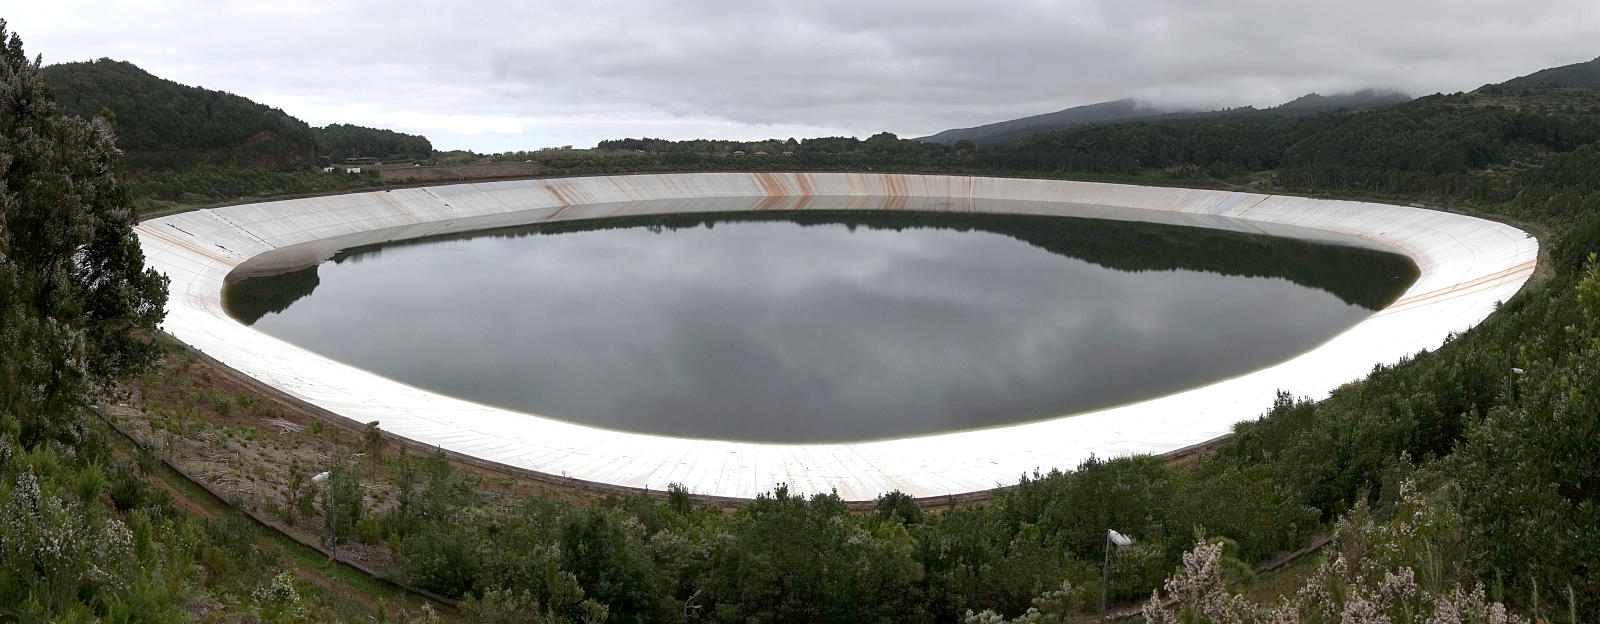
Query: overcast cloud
[[494, 76]]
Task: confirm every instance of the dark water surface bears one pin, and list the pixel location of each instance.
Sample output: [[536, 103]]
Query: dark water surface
[[826, 326]]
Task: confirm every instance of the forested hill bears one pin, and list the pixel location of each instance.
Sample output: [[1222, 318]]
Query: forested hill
[[1117, 110], [1364, 99], [1584, 75], [1532, 144], [1486, 145], [341, 141], [1130, 110], [163, 125]]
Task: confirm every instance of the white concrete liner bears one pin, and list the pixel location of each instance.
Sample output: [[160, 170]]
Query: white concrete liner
[[1467, 266]]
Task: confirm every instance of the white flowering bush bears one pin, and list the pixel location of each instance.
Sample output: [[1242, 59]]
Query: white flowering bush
[[279, 600], [55, 550], [1056, 606], [1370, 576]]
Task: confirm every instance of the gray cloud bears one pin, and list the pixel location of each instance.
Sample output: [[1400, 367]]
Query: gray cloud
[[511, 75]]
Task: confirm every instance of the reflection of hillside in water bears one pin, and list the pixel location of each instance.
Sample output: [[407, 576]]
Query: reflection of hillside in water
[[1356, 275], [250, 299]]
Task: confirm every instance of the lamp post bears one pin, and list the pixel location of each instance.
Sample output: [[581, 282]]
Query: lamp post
[[1112, 537], [1511, 388], [322, 479]]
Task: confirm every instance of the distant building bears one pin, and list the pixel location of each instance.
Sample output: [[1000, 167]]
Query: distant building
[[327, 169], [788, 153], [738, 152], [352, 170]]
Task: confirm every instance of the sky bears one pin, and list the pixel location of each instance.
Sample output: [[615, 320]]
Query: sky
[[502, 75]]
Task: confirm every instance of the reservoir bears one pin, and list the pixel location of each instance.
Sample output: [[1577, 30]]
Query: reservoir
[[823, 325]]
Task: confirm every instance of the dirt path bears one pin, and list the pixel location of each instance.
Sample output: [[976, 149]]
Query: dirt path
[[188, 504], [311, 575], [316, 577]]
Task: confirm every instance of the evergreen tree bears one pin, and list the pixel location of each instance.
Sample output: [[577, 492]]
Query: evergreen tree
[[76, 303]]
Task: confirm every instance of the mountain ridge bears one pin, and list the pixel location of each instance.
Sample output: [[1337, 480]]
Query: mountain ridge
[[1585, 75], [1129, 109], [1114, 110]]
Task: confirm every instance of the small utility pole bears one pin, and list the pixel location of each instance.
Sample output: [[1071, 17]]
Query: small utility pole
[[1112, 537], [1511, 388], [1105, 576]]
